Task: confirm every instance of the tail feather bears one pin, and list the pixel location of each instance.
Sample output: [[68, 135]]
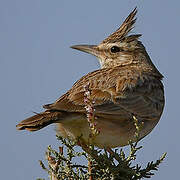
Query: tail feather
[[40, 120]]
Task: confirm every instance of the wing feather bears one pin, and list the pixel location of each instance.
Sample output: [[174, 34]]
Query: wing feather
[[116, 91]]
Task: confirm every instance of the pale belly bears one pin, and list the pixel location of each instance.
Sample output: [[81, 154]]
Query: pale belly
[[113, 133]]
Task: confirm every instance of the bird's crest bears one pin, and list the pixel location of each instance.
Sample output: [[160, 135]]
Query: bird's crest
[[121, 33]]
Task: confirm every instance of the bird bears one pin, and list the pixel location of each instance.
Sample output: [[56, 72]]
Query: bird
[[127, 85]]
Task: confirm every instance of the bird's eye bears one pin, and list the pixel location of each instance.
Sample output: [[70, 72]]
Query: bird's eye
[[115, 49]]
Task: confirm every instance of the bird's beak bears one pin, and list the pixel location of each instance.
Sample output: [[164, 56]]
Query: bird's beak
[[91, 49]]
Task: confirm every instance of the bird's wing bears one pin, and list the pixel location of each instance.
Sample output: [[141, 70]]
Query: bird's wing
[[145, 100], [115, 91]]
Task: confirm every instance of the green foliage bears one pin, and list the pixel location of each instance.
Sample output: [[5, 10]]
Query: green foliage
[[103, 164]]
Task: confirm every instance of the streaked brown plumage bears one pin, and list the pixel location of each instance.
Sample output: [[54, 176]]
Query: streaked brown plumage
[[127, 85]]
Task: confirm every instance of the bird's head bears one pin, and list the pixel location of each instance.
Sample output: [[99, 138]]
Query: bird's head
[[120, 48]]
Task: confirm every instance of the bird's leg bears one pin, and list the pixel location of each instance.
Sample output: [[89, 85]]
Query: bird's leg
[[111, 152]]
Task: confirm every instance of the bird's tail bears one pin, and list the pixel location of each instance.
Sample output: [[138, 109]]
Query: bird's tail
[[40, 120]]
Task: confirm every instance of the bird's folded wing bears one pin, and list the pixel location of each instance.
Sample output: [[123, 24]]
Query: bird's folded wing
[[115, 91]]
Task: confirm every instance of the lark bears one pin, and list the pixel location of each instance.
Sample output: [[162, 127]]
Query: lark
[[128, 85]]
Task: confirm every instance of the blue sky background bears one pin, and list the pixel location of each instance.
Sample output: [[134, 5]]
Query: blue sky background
[[37, 66]]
